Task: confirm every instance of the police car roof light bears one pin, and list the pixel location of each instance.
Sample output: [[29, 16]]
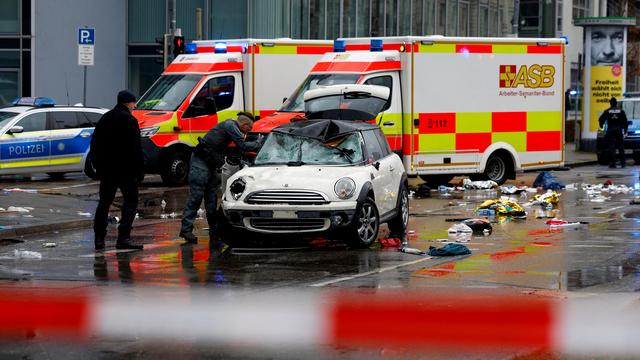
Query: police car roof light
[[220, 48], [34, 101], [376, 45], [339, 46], [191, 48]]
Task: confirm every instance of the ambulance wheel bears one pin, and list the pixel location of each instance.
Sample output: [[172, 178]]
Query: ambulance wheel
[[498, 168], [176, 169], [56, 175], [437, 180]]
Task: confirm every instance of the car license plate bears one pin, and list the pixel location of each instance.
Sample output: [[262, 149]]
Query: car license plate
[[284, 214]]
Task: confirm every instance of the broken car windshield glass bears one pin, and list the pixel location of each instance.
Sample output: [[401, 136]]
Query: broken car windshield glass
[[281, 149]]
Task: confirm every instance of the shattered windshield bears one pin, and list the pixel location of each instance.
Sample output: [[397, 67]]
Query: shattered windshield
[[295, 103], [168, 92], [281, 149]]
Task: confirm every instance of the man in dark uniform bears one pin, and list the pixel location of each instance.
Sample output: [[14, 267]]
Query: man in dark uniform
[[617, 126], [117, 156], [204, 174]]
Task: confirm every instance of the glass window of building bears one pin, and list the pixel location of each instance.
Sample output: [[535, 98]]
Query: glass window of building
[[581, 8], [405, 19], [9, 16], [452, 17], [441, 17], [9, 85], [146, 20], [317, 19], [416, 17], [493, 19], [349, 20], [391, 17], [559, 18], [268, 18], [377, 18], [186, 17], [529, 15], [483, 20], [463, 18], [228, 19], [143, 72], [363, 16], [333, 19]]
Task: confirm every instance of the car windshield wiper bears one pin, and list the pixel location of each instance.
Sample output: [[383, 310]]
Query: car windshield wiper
[[347, 153], [296, 163]]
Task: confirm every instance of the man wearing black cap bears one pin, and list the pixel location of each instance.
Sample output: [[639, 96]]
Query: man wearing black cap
[[204, 174], [117, 157], [617, 126]]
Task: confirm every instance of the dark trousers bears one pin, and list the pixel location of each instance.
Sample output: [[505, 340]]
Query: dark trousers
[[615, 140], [203, 183], [108, 188]]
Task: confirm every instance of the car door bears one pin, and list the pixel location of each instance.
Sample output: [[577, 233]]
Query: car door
[[379, 175], [393, 167], [28, 150], [70, 139]]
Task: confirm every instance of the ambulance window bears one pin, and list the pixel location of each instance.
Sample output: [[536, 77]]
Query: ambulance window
[[34, 122], [63, 120], [221, 89], [374, 151], [385, 81]]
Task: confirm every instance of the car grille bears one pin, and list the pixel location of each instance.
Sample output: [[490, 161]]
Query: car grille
[[287, 225], [291, 197]]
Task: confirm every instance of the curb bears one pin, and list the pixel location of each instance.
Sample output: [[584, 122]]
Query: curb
[[582, 163]]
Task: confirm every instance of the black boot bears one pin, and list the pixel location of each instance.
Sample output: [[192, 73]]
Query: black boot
[[126, 244], [99, 243], [189, 237]]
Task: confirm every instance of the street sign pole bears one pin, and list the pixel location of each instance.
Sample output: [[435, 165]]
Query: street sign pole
[[86, 42], [84, 87]]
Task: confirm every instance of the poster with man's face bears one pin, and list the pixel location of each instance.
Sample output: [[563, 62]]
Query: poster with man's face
[[607, 45]]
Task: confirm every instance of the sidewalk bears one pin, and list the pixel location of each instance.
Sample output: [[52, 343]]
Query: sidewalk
[[573, 158]]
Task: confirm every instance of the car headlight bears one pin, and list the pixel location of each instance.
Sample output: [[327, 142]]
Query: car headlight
[[237, 188], [345, 188], [149, 131]]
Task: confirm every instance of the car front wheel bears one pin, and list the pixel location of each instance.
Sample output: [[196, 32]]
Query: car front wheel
[[400, 222], [365, 225]]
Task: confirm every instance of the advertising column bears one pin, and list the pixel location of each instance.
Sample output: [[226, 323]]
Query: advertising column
[[605, 49]]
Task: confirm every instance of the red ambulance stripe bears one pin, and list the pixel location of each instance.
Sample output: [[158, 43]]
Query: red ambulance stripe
[[474, 48], [419, 320], [544, 141], [210, 49], [477, 141], [508, 121], [58, 315], [203, 67], [549, 49], [406, 143], [204, 49], [437, 123], [164, 139], [356, 66], [307, 50], [204, 123], [235, 48], [358, 47]]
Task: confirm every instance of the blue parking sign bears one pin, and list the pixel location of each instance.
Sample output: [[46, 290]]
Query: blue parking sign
[[86, 36]]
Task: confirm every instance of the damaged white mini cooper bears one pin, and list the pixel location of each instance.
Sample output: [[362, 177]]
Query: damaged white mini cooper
[[321, 176]]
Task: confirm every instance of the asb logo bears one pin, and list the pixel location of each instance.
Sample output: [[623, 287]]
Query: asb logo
[[533, 76]]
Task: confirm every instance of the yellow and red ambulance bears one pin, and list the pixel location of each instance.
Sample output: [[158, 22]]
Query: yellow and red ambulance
[[212, 82], [484, 107]]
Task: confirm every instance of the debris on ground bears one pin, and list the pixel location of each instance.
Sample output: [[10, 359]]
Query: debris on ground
[[479, 185], [556, 223], [547, 200], [24, 254], [19, 209], [113, 219], [87, 214], [422, 191], [200, 213], [49, 245], [390, 242], [547, 181], [502, 207], [479, 226], [513, 190], [545, 214], [608, 187], [413, 251], [18, 190], [635, 201], [168, 216], [163, 204], [459, 229], [449, 250]]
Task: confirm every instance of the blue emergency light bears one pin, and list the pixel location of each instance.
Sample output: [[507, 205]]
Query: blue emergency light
[[339, 46], [190, 48], [376, 45], [33, 101], [566, 39], [220, 48]]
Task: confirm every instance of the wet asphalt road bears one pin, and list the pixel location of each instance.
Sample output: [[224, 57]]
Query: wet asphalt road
[[520, 256]]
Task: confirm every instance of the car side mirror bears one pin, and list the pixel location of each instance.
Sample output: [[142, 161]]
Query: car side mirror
[[376, 165], [15, 130]]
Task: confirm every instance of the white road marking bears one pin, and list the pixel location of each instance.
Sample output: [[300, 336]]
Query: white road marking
[[71, 186], [379, 271], [611, 209]]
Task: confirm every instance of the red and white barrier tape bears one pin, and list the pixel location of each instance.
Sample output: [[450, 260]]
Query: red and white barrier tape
[[597, 325]]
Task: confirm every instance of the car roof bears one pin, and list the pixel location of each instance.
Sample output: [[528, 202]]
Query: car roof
[[21, 109]]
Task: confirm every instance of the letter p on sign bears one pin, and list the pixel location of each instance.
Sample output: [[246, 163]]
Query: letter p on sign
[[86, 36]]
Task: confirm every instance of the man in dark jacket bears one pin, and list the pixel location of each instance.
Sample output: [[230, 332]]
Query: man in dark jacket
[[617, 126], [204, 174], [117, 157]]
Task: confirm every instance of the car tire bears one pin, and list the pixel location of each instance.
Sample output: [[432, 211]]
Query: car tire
[[175, 169], [56, 175], [603, 159], [366, 224], [437, 180], [498, 168], [399, 223]]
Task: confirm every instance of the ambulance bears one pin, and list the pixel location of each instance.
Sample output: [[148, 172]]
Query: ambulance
[[482, 107], [212, 82]]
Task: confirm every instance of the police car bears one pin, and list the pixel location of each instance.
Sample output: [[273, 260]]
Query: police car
[[36, 136], [630, 103]]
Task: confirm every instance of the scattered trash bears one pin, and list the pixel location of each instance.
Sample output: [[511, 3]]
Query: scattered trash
[[459, 228], [80, 213], [422, 191], [449, 250], [513, 190], [486, 212], [556, 223], [18, 190], [49, 245], [547, 181], [19, 209], [200, 214], [411, 232], [503, 207], [390, 242], [163, 205], [24, 254], [113, 219], [545, 214], [168, 216], [571, 187], [413, 251], [479, 226], [635, 201], [479, 185], [27, 216], [547, 200]]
